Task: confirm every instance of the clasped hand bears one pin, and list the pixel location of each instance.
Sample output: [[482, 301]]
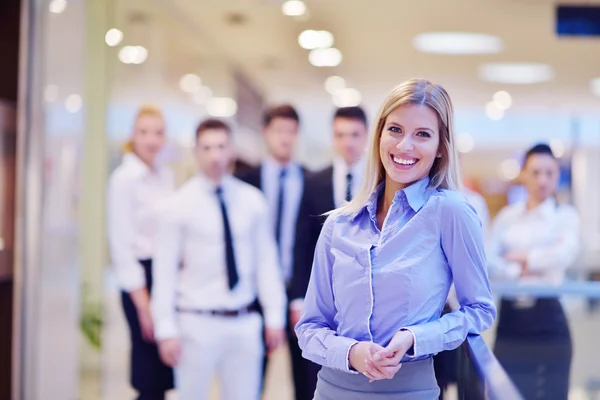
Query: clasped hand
[[377, 362]]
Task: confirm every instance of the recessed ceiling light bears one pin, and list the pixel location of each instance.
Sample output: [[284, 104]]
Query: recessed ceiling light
[[595, 85], [348, 97], [558, 148], [190, 83], [293, 8], [509, 169], [516, 73], [503, 99], [335, 84], [73, 103], [464, 143], [457, 43], [51, 93], [493, 112], [58, 6], [331, 57], [113, 37], [315, 39], [221, 107], [133, 54]]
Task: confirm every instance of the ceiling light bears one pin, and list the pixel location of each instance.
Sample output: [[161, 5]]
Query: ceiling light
[[58, 6], [334, 84], [595, 85], [558, 148], [502, 99], [201, 96], [133, 54], [331, 57], [221, 107], [73, 103], [348, 97], [464, 143], [190, 83], [516, 73], [509, 169], [315, 39], [51, 93], [113, 37], [293, 8], [493, 112], [457, 43]]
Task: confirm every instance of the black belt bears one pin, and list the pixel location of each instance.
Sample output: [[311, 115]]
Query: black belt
[[222, 313]]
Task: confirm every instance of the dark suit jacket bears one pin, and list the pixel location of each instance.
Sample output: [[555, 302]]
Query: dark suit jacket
[[252, 176], [318, 198]]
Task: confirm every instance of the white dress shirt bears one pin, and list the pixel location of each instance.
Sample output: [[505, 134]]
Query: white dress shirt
[[549, 234], [480, 206], [191, 235], [340, 180], [135, 192], [294, 186]]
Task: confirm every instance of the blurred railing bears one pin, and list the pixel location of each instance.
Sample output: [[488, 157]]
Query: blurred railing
[[480, 374]]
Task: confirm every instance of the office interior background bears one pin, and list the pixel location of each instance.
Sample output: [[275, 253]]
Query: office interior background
[[76, 71]]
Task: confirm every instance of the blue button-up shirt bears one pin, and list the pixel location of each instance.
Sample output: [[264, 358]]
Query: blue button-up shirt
[[368, 284]]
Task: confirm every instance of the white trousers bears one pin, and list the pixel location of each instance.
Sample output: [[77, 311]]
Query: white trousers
[[231, 347]]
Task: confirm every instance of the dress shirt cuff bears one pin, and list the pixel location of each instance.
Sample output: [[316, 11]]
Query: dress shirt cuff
[[131, 277], [427, 340], [274, 319], [410, 353], [166, 329], [297, 304], [338, 356]]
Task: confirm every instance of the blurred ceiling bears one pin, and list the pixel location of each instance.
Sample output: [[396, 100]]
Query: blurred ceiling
[[375, 39]]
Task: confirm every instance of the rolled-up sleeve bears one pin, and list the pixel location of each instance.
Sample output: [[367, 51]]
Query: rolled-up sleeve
[[121, 227], [271, 289], [462, 243], [316, 332]]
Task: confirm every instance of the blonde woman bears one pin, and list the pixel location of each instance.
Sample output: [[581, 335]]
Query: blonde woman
[[135, 190], [384, 263]]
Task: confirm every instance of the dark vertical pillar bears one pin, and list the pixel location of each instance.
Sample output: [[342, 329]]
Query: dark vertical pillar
[[10, 14]]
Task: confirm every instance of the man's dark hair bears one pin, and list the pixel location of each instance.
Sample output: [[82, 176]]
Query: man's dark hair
[[281, 111], [540, 148], [356, 113], [211, 123]]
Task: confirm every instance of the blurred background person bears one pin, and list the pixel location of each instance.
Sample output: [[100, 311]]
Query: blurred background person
[[324, 191], [206, 313], [282, 180], [535, 241], [135, 190]]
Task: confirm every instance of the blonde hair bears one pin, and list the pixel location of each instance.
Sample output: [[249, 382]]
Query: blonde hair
[[144, 111], [445, 172]]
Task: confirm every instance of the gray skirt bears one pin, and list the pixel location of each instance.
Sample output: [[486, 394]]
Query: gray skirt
[[414, 381]]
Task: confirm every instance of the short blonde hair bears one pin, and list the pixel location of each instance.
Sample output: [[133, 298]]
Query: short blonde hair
[[145, 110], [445, 172]]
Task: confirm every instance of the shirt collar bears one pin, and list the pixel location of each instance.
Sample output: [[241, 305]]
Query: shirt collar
[[131, 160], [209, 186], [340, 166], [546, 208], [272, 166], [416, 195]]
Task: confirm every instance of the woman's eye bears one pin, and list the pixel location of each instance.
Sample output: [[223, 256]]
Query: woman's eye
[[424, 134], [394, 129]]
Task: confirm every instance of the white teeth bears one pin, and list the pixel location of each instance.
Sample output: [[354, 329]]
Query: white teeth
[[404, 161]]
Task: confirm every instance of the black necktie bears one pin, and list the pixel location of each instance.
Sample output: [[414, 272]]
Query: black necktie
[[349, 186], [278, 219], [232, 275]]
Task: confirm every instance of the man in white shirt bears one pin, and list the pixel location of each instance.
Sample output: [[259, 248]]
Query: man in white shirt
[[324, 191], [217, 227]]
